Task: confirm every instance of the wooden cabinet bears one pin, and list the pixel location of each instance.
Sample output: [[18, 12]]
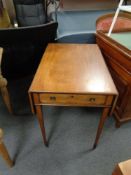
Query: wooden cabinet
[[118, 59]]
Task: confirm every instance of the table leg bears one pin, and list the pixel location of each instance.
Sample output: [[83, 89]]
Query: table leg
[[117, 171], [39, 114], [3, 150], [5, 155], [118, 124], [6, 98], [41, 122], [100, 126]]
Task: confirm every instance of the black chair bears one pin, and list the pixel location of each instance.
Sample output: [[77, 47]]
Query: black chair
[[24, 45], [23, 48], [31, 12]]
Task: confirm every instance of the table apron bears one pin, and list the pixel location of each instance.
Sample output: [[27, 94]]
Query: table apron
[[93, 100], [77, 105]]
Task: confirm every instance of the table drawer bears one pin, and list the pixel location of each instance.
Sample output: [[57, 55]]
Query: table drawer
[[73, 99]]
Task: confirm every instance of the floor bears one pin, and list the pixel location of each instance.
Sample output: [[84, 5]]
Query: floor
[[70, 132]]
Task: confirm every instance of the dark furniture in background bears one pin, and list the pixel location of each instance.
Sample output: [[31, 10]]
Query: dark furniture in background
[[118, 59], [24, 45], [30, 12]]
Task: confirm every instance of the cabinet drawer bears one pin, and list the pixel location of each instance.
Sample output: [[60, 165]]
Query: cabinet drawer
[[73, 99]]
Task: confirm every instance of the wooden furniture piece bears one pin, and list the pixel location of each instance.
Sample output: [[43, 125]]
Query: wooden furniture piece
[[3, 87], [123, 168], [119, 8], [4, 17], [72, 75], [3, 150], [123, 22], [6, 98], [116, 50]]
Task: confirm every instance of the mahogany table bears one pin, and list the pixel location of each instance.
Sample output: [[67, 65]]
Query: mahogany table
[[72, 75], [123, 168], [117, 54]]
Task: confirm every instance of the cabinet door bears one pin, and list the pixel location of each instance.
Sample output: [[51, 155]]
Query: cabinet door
[[119, 64], [122, 107]]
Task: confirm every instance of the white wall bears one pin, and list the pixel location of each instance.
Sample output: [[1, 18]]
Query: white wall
[[89, 4]]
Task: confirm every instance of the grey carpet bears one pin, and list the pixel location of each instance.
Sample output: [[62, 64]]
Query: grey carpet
[[78, 22], [77, 26], [88, 37], [70, 131]]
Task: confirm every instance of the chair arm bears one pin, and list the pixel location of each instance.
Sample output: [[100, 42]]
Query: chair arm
[[1, 51], [1, 135], [3, 81]]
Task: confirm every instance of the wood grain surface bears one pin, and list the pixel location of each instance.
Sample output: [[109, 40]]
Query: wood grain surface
[[73, 68]]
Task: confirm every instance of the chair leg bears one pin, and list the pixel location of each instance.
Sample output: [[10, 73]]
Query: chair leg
[[6, 98], [4, 152]]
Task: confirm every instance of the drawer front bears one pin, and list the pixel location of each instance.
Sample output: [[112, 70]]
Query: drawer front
[[68, 99]]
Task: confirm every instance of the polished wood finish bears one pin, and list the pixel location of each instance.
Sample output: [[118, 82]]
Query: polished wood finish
[[123, 22], [3, 87], [6, 98], [72, 75], [71, 99], [4, 19], [123, 168], [40, 117], [3, 151], [70, 68], [118, 59]]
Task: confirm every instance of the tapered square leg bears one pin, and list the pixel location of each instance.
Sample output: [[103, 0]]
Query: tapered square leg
[[6, 98], [100, 126], [4, 152]]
